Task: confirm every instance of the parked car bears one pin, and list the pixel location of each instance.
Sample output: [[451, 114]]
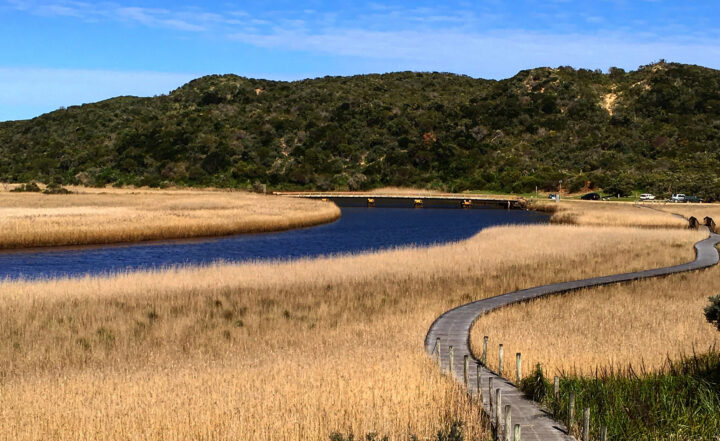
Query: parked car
[[678, 197], [590, 197], [647, 197], [693, 199]]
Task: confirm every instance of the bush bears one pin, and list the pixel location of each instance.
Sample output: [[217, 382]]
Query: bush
[[259, 187], [712, 311], [535, 386], [56, 189], [30, 187]]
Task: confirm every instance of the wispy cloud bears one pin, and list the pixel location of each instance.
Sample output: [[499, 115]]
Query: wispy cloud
[[183, 20], [157, 18], [479, 39]]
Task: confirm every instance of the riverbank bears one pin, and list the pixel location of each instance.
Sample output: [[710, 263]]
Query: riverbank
[[272, 351], [108, 216], [604, 213]]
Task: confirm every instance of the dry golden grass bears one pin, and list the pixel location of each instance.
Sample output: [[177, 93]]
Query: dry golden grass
[[602, 213], [687, 210], [93, 216], [641, 323], [281, 351]]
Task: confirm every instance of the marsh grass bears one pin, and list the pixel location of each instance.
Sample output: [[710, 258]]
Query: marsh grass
[[613, 346], [284, 351], [604, 213], [639, 324], [92, 216], [681, 400], [699, 211]]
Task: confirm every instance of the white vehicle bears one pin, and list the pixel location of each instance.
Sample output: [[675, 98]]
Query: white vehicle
[[647, 197], [678, 197]]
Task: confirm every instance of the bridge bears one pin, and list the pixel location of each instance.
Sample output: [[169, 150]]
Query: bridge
[[442, 200]]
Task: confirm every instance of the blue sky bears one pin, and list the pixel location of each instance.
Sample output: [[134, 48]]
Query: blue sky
[[57, 53]]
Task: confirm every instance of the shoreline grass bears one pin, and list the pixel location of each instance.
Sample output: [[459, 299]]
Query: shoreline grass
[[111, 216], [603, 213]]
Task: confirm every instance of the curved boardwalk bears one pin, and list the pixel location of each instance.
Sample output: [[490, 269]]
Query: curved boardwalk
[[453, 329]]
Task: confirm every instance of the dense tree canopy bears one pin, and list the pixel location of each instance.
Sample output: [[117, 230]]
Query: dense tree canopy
[[655, 129]]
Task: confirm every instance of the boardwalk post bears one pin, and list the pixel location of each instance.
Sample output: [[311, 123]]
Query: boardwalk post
[[508, 422], [603, 433], [556, 388], [571, 412], [490, 396], [437, 347], [452, 356], [466, 368], [484, 354], [586, 424], [518, 367], [479, 390], [498, 407], [500, 361], [518, 433]]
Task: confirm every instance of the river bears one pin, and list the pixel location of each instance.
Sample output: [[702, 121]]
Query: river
[[359, 229]]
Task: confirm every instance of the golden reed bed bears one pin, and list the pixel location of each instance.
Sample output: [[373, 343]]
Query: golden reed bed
[[639, 324], [103, 216], [602, 213], [277, 351]]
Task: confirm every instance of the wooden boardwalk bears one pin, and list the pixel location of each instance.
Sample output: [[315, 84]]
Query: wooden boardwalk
[[453, 329]]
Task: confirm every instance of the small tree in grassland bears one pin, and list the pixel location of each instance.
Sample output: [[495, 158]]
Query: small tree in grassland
[[712, 311]]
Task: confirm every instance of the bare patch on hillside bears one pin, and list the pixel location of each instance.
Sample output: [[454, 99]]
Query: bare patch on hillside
[[608, 102]]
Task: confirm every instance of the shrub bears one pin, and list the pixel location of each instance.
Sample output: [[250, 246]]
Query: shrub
[[712, 311], [29, 187], [535, 385], [56, 189]]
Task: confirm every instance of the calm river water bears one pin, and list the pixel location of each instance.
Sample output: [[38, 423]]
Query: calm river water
[[359, 229]]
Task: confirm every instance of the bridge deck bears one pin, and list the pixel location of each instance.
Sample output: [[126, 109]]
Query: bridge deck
[[478, 199]]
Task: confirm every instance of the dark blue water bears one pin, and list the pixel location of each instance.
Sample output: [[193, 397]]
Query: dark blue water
[[359, 229]]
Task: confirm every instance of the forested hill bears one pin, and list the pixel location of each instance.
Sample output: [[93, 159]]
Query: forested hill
[[656, 129]]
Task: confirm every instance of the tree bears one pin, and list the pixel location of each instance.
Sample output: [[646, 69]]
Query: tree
[[712, 311]]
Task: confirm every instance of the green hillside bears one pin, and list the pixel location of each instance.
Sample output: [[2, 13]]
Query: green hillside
[[656, 129]]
